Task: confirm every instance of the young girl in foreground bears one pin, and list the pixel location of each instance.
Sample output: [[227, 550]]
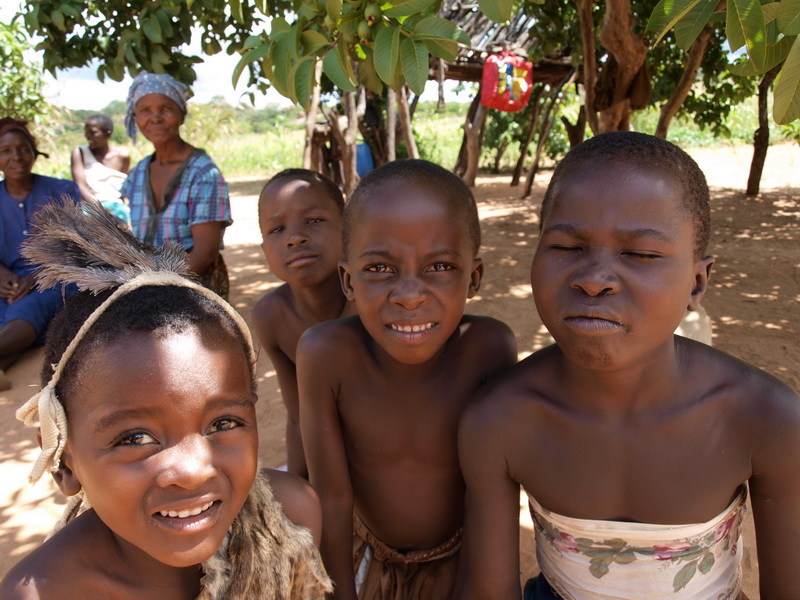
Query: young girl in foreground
[[636, 447], [155, 379]]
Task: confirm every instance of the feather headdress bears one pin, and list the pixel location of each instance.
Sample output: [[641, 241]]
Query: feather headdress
[[82, 244]]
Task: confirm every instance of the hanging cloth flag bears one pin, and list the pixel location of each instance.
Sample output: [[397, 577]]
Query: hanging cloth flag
[[507, 82]]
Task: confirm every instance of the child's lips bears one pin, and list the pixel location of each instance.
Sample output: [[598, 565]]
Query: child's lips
[[412, 332], [301, 260], [189, 518], [594, 323]]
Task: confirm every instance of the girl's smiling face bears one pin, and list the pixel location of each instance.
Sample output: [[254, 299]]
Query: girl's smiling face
[[163, 440]]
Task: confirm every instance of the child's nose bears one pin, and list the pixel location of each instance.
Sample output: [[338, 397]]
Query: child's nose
[[188, 464], [596, 277], [297, 237], [409, 292]]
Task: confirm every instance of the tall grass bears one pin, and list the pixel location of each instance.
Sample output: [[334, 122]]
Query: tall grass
[[438, 136]]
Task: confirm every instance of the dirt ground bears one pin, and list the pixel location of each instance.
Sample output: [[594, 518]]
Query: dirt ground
[[753, 304]]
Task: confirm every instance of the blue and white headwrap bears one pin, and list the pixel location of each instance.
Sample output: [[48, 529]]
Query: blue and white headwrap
[[154, 83]]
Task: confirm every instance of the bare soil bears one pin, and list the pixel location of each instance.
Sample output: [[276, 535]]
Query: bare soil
[[752, 301]]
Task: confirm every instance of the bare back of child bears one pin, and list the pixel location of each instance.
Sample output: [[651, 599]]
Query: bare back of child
[[381, 393], [300, 215], [147, 420], [636, 447]]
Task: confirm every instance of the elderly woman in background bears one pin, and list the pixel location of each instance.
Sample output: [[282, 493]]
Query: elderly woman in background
[[24, 312], [177, 193], [100, 169]]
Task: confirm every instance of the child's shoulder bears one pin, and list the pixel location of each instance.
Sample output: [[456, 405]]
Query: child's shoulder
[[49, 571], [751, 391], [343, 334], [273, 306], [487, 336]]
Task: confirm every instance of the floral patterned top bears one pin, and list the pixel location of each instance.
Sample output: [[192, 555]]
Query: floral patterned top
[[584, 559]]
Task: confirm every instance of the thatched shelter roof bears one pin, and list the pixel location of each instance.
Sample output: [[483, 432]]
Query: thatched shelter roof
[[488, 37]]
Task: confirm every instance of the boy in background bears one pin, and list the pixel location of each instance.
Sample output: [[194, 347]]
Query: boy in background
[[300, 216], [381, 393]]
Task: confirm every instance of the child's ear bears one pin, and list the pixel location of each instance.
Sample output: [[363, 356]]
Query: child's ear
[[65, 477], [344, 278], [475, 277], [702, 273]]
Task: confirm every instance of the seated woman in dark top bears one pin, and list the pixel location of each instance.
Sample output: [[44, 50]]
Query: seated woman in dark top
[[24, 311]]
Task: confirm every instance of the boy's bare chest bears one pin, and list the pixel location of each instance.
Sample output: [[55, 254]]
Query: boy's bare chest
[[404, 417]]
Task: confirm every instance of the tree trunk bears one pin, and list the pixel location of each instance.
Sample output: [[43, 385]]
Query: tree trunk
[[344, 129], [442, 65], [311, 118], [761, 136], [472, 130], [391, 125], [523, 151], [498, 156], [693, 59], [589, 60], [576, 132], [629, 50], [405, 123], [460, 167], [556, 98]]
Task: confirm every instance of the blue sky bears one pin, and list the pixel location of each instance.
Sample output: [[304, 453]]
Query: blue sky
[[80, 88]]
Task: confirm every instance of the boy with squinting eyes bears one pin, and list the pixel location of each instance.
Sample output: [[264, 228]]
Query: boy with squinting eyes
[[637, 448]]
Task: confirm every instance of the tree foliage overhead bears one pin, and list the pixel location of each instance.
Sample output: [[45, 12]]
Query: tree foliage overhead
[[365, 42], [358, 41], [768, 34], [21, 85]]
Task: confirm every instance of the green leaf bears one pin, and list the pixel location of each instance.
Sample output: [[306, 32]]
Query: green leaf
[[166, 23], [313, 41], [414, 59], [279, 25], [497, 10], [770, 11], [405, 8], [251, 56], [303, 77], [152, 29], [334, 8], [745, 26], [787, 88], [281, 67], [236, 10], [336, 65], [263, 7], [689, 27], [367, 75], [775, 55], [789, 17], [348, 24], [440, 37], [387, 53], [57, 17], [666, 14]]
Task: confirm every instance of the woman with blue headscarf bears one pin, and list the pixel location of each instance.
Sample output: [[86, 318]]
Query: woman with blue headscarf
[[177, 194]]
